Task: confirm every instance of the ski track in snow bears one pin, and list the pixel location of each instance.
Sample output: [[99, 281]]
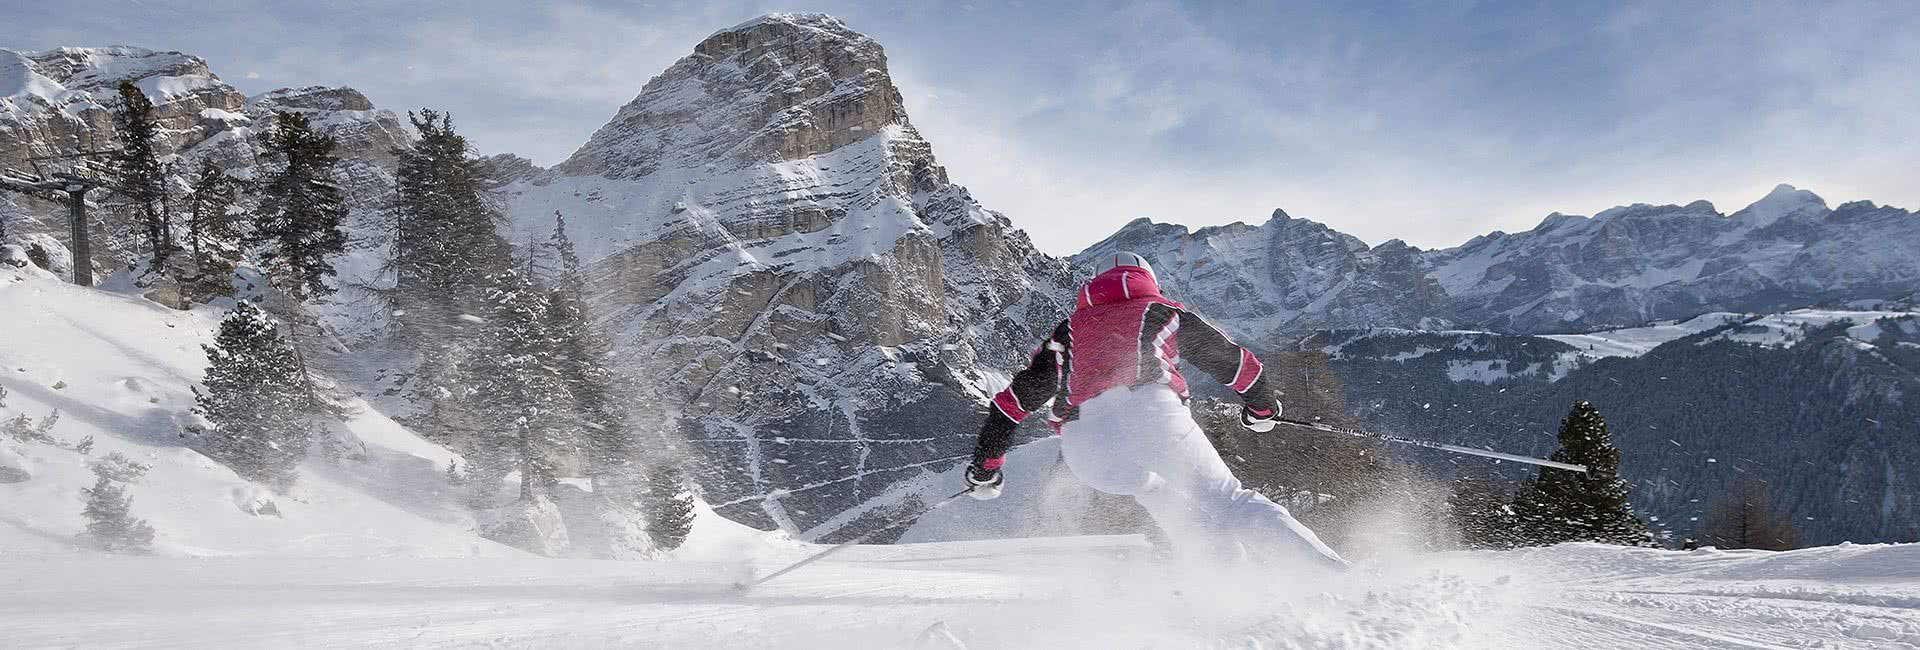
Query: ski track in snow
[[1069, 592]]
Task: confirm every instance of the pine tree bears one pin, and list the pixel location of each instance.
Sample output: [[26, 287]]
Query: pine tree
[[256, 398], [210, 229], [301, 207], [669, 507], [555, 262], [1563, 506], [447, 248], [1745, 517], [138, 173], [580, 354], [520, 391], [111, 525], [447, 255]]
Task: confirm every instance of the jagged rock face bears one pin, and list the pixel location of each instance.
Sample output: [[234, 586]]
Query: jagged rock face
[[783, 261], [1282, 276], [59, 102], [1625, 266], [779, 88], [1639, 263]]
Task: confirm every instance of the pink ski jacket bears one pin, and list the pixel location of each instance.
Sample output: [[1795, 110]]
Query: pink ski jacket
[[1122, 333]]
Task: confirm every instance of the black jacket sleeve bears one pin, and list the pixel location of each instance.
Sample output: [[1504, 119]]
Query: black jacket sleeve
[[1032, 389], [1208, 349]]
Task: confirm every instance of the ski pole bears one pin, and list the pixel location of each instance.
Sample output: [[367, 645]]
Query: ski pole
[[1317, 426], [745, 585]]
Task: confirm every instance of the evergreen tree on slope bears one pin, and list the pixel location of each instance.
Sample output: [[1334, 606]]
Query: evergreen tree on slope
[[601, 426], [669, 506], [446, 247], [447, 255], [1564, 506], [255, 398], [301, 207], [138, 175], [211, 234], [519, 389], [111, 525]]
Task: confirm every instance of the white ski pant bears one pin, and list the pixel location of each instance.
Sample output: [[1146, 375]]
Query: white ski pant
[[1142, 442]]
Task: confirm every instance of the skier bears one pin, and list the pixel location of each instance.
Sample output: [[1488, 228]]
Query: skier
[[1120, 407]]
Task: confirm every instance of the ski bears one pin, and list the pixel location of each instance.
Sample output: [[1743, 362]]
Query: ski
[[1483, 453]]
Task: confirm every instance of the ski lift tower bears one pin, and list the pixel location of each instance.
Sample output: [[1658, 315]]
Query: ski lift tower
[[72, 177]]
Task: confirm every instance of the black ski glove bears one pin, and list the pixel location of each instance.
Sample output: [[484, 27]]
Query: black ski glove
[[1260, 414], [984, 484]]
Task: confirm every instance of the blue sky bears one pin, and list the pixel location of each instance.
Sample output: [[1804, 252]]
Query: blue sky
[[1425, 121]]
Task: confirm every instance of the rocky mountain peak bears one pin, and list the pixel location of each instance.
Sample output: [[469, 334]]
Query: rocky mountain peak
[[779, 87], [1784, 200], [764, 226]]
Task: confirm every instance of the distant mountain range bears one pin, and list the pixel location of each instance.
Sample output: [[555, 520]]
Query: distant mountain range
[[1623, 267]]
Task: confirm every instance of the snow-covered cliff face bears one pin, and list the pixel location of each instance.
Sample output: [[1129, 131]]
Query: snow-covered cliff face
[[1622, 267], [783, 260], [60, 101]]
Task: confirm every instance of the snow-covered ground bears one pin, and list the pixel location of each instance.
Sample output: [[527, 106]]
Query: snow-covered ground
[[1074, 592], [120, 369], [364, 553]]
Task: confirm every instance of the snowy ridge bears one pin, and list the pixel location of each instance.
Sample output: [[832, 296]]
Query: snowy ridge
[[1626, 265]]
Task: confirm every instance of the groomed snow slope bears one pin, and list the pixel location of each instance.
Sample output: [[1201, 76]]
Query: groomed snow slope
[[1072, 592], [121, 369]]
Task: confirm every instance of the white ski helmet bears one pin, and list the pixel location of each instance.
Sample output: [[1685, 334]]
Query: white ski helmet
[[1124, 258]]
